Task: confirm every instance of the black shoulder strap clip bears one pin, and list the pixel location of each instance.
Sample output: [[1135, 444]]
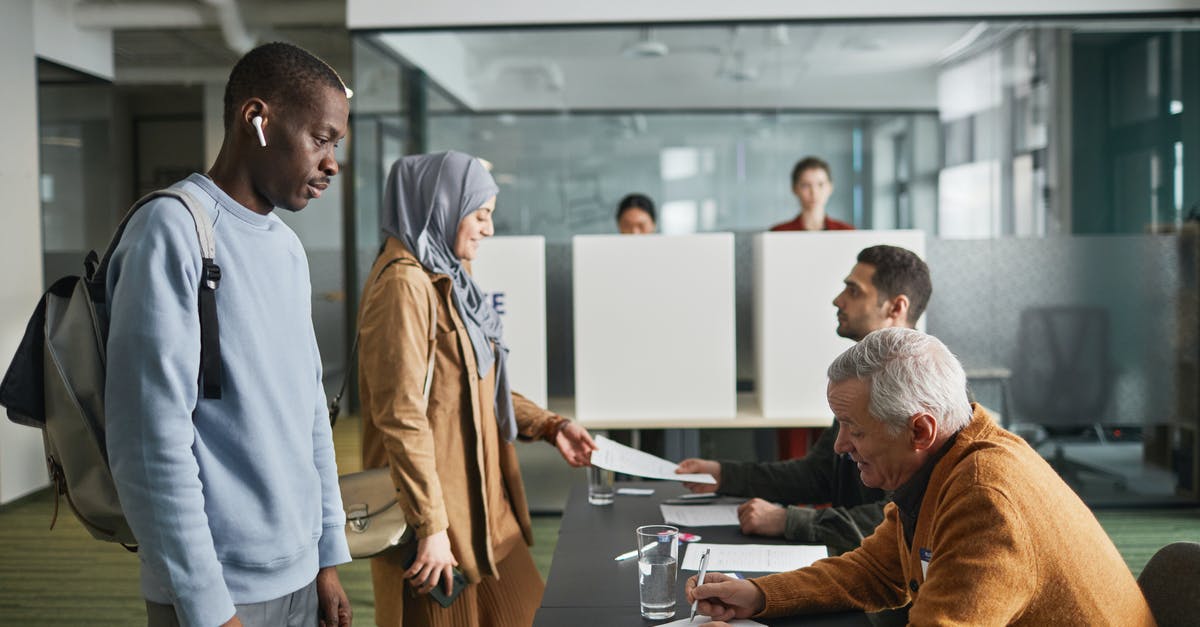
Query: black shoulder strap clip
[[210, 344]]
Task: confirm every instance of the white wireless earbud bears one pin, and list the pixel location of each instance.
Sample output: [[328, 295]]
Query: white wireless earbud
[[257, 121]]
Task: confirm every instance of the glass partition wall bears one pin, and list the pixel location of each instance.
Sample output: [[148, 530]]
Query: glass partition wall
[[377, 134], [75, 171], [1045, 161]]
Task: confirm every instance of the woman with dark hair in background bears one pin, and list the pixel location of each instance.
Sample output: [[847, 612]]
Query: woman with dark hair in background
[[438, 410], [635, 215], [812, 184]]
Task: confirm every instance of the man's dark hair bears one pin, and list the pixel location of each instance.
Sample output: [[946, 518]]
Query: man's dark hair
[[900, 271], [281, 74], [810, 163], [636, 201]]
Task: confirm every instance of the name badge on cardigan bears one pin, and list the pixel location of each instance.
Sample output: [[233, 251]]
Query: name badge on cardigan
[[926, 555]]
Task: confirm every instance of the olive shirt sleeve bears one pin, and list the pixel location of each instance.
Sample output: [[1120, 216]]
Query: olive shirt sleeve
[[840, 528], [805, 480], [395, 328]]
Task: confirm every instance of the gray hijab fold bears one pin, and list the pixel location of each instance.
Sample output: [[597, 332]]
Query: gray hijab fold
[[426, 198]]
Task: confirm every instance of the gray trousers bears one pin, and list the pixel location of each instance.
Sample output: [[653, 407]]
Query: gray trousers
[[298, 609]]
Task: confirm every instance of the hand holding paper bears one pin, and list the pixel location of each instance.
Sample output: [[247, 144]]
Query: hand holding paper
[[620, 458]]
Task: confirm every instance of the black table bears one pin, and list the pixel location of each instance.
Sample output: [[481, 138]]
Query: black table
[[587, 588]]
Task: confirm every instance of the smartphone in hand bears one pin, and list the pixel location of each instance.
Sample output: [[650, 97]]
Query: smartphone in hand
[[439, 591]]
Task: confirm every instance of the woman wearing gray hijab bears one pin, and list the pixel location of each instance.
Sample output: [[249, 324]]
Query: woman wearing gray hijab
[[438, 409]]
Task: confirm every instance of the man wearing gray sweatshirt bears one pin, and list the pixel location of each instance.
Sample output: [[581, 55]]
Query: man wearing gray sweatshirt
[[234, 500]]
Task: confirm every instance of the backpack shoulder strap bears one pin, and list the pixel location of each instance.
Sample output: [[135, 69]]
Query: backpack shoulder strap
[[98, 269], [210, 278]]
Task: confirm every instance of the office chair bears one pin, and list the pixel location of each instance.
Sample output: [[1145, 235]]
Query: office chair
[[1062, 381], [1170, 581]]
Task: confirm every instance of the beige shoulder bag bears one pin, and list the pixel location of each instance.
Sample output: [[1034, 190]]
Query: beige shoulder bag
[[375, 524]]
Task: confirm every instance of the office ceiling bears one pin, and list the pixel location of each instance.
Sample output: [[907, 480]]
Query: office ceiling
[[803, 66], [795, 66], [196, 41], [202, 54]]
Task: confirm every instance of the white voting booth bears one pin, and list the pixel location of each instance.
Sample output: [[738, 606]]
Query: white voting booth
[[512, 273], [796, 277], [654, 327]]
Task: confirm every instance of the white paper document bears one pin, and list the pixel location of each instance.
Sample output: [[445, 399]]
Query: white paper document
[[753, 558], [699, 515], [701, 619], [620, 458]]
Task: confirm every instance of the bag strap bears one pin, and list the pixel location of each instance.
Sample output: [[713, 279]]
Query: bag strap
[[210, 279], [335, 407]]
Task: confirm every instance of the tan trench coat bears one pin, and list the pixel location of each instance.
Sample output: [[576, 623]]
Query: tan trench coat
[[440, 453]]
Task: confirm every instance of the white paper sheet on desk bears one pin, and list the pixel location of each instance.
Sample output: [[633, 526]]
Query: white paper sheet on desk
[[699, 515], [701, 619], [753, 558], [620, 458]]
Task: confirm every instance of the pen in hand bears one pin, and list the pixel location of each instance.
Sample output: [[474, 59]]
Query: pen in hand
[[700, 581]]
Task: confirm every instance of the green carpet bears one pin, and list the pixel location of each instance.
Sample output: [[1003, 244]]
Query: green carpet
[[1139, 533], [64, 577]]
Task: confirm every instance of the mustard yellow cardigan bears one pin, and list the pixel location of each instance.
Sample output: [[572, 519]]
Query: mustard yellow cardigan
[[1004, 540]]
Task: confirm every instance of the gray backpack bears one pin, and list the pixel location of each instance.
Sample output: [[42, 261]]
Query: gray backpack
[[56, 380]]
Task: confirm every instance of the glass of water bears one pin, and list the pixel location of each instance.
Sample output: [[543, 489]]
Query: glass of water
[[601, 485], [658, 555]]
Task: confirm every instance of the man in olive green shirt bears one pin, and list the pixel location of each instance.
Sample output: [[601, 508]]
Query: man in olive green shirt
[[888, 287]]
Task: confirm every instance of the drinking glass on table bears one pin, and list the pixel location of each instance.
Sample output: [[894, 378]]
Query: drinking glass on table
[[658, 556], [601, 485]]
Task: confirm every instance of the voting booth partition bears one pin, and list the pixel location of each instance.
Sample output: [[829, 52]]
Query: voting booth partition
[[654, 320], [511, 271], [655, 330], [654, 327], [796, 277]]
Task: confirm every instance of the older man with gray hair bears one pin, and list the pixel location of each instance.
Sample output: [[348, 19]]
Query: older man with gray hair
[[980, 531]]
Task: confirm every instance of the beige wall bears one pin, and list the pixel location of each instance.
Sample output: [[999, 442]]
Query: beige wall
[[58, 39], [22, 469]]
